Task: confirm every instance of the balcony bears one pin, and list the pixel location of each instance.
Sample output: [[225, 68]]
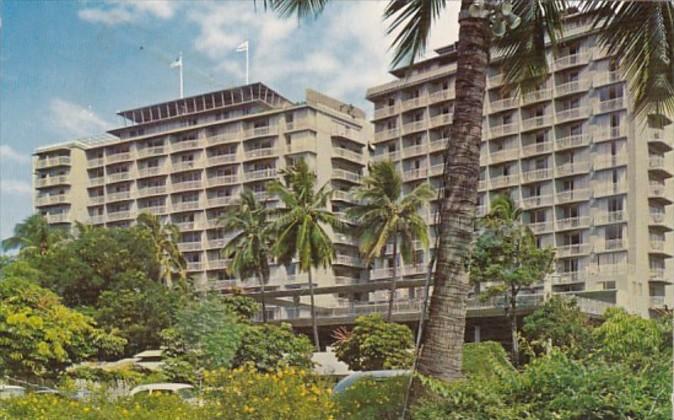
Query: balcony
[[442, 119], [503, 130], [571, 223], [657, 301], [57, 217], [150, 171], [575, 86], [387, 134], [221, 159], [264, 196], [96, 200], [119, 196], [607, 218], [438, 145], [189, 246], [260, 153], [195, 266], [160, 209], [611, 245], [572, 196], [265, 131], [657, 138], [185, 145], [382, 273], [47, 200], [119, 215], [346, 175], [186, 205], [564, 251], [610, 105], [221, 201], [414, 269], [541, 227], [610, 161], [414, 126], [537, 201], [504, 155], [536, 122], [503, 104], [51, 181], [569, 142], [437, 169], [537, 175], [117, 157], [216, 243], [606, 78], [537, 149], [93, 182], [658, 190], [572, 60], [347, 154], [187, 226], [219, 264], [609, 133], [187, 185], [53, 161], [537, 96], [572, 114], [346, 132], [183, 165], [416, 173], [392, 156], [603, 190], [223, 180], [658, 164], [97, 219], [415, 150], [441, 95], [660, 219], [504, 181], [571, 277], [495, 80], [414, 103], [118, 177], [658, 246], [227, 137], [153, 190], [260, 174], [346, 239], [150, 151], [657, 275], [342, 196], [342, 259], [92, 163], [386, 111], [573, 168]]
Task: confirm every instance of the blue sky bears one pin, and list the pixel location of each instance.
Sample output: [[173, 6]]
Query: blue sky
[[67, 67]]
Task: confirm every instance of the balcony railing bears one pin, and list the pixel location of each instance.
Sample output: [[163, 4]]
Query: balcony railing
[[437, 169], [51, 180], [53, 161], [572, 60], [610, 105], [342, 195], [348, 154], [227, 137], [151, 151], [92, 163], [537, 148], [441, 95], [573, 250], [220, 159], [260, 153], [504, 181], [657, 275], [150, 171], [221, 201], [414, 150], [195, 266], [581, 85], [57, 217], [572, 114], [93, 182], [348, 260], [186, 205], [51, 199], [657, 301], [656, 135], [609, 245], [414, 126], [610, 189], [187, 185], [573, 195], [536, 122], [442, 119], [223, 180], [184, 165], [503, 104], [154, 190], [657, 244], [541, 227], [572, 168], [537, 96], [117, 177], [537, 201], [610, 217], [346, 175], [189, 246], [120, 215], [118, 157], [657, 190], [392, 156], [658, 163], [385, 111], [580, 222], [386, 134], [414, 103], [260, 174], [606, 78], [504, 155], [438, 144], [609, 133], [577, 140], [537, 175], [503, 130], [160, 209], [118, 196], [415, 173], [187, 225], [603, 162]]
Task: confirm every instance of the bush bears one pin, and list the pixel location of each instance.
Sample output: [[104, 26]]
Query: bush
[[245, 393], [271, 347], [373, 399]]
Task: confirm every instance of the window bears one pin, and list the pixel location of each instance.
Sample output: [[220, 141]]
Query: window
[[615, 204]]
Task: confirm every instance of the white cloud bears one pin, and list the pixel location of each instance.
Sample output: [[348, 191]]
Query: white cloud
[[15, 186], [8, 153], [115, 12], [73, 120]]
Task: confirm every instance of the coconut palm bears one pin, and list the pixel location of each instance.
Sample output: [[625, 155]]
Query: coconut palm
[[164, 237], [250, 247], [384, 215], [34, 235], [300, 226], [639, 32]]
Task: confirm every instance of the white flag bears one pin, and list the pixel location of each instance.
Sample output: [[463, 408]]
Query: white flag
[[177, 63], [243, 47]]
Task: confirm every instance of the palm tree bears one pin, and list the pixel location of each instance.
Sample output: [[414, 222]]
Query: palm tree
[[164, 239], [384, 215], [637, 32], [34, 234], [300, 226], [250, 248]]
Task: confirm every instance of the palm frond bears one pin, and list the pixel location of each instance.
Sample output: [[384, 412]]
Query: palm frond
[[299, 8]]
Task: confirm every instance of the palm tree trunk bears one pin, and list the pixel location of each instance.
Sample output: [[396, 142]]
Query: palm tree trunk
[[513, 329], [394, 272], [263, 279], [314, 325], [441, 354]]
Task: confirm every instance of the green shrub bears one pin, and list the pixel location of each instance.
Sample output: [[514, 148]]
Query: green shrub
[[373, 399], [245, 393]]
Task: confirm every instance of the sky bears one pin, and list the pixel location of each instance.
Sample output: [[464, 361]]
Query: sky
[[67, 67]]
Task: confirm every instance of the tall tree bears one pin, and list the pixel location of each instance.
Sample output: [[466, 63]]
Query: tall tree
[[250, 247], [300, 226], [384, 215], [625, 28], [507, 260], [34, 234], [164, 239]]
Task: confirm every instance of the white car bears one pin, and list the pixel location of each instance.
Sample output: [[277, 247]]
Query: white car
[[9, 391], [184, 391]]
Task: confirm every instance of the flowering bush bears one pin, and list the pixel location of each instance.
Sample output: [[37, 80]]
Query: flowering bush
[[288, 393], [373, 399]]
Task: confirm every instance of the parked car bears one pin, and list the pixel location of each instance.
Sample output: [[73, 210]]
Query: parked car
[[373, 374], [10, 391], [184, 391]]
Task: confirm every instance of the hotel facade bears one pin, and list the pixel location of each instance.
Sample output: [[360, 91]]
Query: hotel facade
[[593, 180]]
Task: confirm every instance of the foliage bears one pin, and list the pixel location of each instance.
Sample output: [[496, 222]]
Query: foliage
[[245, 393], [271, 347], [244, 307], [561, 323], [164, 247], [373, 399], [34, 236], [39, 337], [250, 247], [375, 344], [486, 361], [206, 335], [93, 374]]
